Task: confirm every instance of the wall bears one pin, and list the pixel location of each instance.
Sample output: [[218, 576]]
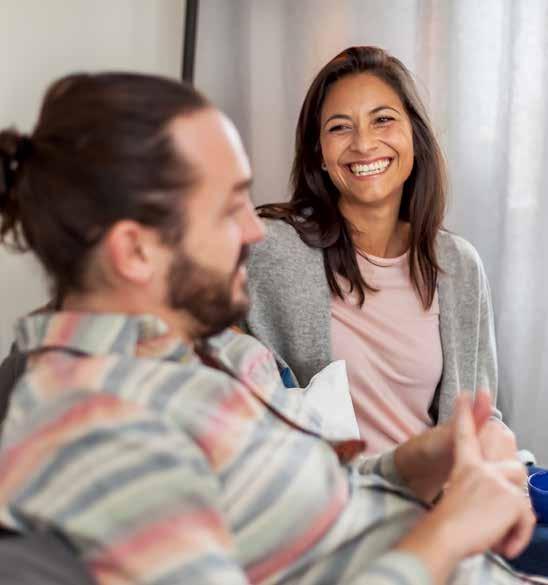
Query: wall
[[40, 41]]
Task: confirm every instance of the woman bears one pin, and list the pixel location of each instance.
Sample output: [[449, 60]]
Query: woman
[[356, 266]]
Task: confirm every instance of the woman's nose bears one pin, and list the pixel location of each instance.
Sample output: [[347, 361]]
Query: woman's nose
[[364, 140]]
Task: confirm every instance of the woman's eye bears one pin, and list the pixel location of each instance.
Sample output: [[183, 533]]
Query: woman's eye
[[339, 128], [383, 120]]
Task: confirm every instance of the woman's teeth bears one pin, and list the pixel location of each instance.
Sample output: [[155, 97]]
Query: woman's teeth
[[373, 168]]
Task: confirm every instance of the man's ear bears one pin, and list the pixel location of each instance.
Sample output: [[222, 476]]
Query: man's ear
[[132, 251]]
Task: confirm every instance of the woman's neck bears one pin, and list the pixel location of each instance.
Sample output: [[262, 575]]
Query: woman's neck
[[378, 232]]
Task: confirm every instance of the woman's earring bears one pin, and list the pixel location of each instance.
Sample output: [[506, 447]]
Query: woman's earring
[[324, 166]]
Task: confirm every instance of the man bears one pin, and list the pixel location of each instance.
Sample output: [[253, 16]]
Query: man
[[163, 447]]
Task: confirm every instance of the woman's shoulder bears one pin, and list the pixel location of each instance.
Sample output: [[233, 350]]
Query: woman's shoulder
[[283, 259], [457, 256], [278, 230], [281, 241], [452, 247]]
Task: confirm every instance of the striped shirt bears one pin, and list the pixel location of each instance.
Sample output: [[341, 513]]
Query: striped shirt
[[164, 465]]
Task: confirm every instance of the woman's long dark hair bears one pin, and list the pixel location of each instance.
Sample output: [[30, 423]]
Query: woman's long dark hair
[[313, 207]]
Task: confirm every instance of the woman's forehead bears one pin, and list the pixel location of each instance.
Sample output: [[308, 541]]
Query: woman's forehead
[[359, 91]]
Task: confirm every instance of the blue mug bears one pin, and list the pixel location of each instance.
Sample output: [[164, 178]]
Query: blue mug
[[538, 491]]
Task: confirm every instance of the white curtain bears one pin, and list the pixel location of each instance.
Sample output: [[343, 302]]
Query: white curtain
[[482, 67]]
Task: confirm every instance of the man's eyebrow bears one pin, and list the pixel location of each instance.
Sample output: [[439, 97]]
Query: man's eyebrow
[[238, 189], [242, 185]]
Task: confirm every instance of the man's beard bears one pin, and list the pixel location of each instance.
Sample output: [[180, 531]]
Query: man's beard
[[206, 294]]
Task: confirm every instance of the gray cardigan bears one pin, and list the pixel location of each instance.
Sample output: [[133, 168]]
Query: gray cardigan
[[290, 312]]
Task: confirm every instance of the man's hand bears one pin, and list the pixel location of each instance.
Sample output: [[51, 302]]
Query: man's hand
[[482, 507], [424, 462]]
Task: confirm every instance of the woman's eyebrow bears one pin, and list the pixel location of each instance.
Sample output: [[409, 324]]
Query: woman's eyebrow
[[344, 116], [373, 111], [379, 108]]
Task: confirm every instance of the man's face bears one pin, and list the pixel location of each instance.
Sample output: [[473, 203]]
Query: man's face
[[207, 278]]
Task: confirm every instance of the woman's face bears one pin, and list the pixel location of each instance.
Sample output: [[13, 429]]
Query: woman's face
[[366, 140]]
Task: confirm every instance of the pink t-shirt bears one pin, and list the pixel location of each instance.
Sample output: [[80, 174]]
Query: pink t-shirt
[[393, 353]]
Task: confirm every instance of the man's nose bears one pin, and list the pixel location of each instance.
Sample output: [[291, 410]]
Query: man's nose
[[253, 229]]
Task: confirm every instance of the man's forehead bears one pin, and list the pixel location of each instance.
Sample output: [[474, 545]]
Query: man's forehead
[[207, 138]]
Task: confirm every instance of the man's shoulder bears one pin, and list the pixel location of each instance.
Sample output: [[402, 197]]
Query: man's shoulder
[[236, 348], [59, 384], [74, 449], [54, 380]]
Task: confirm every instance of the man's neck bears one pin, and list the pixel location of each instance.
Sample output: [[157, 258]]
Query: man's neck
[[177, 322]]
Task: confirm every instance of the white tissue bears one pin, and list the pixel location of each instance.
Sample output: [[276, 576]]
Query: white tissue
[[328, 393]]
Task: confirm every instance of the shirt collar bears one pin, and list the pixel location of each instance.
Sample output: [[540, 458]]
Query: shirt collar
[[100, 334]]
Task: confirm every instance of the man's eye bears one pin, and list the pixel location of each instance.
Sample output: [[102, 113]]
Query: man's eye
[[234, 210]]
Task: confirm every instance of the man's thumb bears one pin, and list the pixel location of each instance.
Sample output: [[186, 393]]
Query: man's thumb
[[467, 448]]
